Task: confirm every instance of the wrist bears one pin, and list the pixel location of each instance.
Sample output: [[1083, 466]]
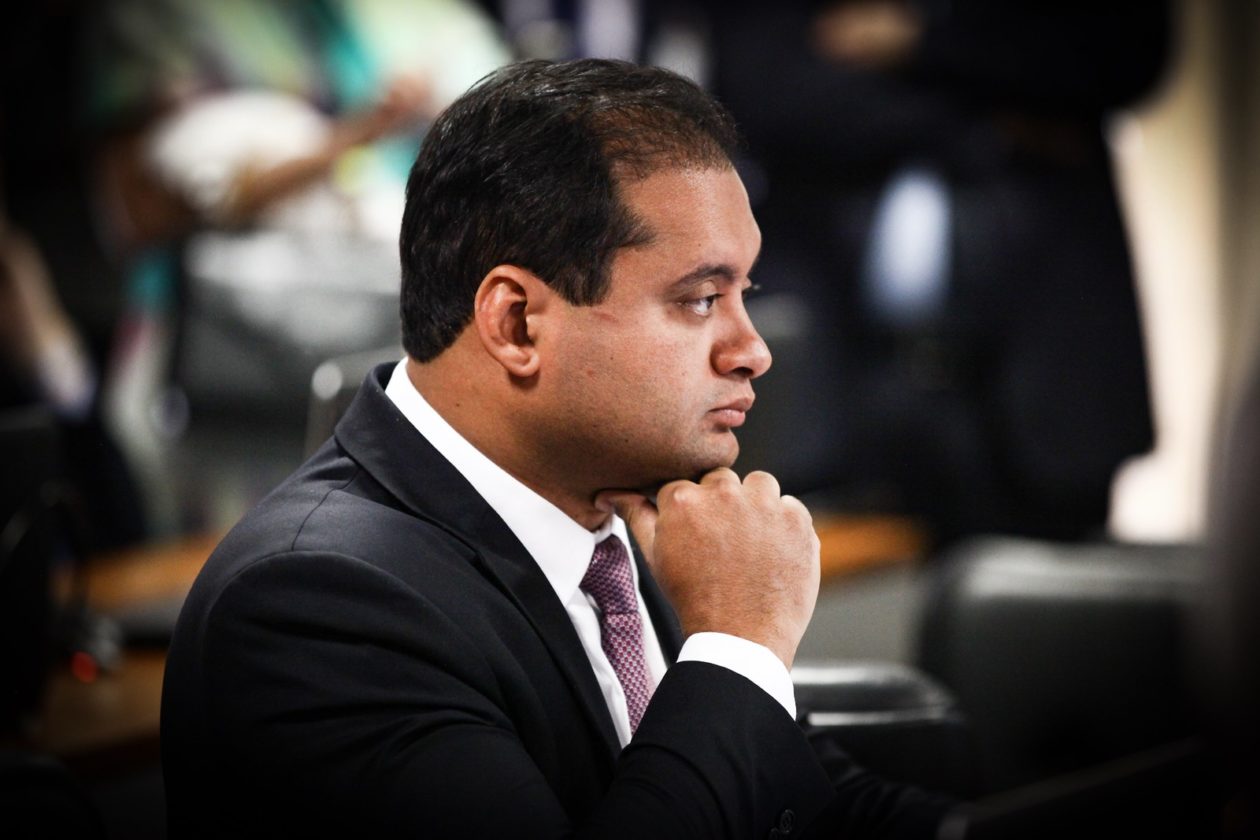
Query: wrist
[[783, 645]]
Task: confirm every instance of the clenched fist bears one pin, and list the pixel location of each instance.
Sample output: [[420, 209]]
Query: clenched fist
[[732, 557]]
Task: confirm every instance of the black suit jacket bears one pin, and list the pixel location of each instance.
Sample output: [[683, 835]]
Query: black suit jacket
[[371, 652]]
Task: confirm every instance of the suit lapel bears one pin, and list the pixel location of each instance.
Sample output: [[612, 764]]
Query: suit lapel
[[507, 562], [525, 584], [382, 441]]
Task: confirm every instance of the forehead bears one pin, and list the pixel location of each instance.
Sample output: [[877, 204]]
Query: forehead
[[693, 217]]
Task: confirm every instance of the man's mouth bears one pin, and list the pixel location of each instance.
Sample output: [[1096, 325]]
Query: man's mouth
[[732, 414]]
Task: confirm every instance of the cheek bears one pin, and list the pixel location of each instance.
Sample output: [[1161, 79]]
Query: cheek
[[649, 372], [666, 379], [656, 359]]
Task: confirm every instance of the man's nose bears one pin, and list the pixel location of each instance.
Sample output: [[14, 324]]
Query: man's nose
[[742, 350]]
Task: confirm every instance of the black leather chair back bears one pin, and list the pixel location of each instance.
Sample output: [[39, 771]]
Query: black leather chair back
[[889, 718], [1063, 656], [30, 452]]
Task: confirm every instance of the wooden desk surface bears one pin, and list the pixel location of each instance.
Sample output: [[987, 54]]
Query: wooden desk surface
[[112, 721], [123, 579], [98, 726], [853, 544]]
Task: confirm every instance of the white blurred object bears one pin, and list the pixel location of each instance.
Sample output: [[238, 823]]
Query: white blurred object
[[451, 44], [907, 264], [66, 378], [609, 28], [1169, 178], [202, 147], [682, 45]]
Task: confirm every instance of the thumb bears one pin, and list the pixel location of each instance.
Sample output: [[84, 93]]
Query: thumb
[[638, 512]]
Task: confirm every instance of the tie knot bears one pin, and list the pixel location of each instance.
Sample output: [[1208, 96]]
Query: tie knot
[[608, 579]]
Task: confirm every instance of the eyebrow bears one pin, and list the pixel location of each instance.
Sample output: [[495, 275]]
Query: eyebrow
[[708, 271]]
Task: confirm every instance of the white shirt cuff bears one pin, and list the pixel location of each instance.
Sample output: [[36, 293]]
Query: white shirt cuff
[[748, 659]]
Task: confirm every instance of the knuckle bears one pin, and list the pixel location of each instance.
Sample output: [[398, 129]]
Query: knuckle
[[760, 478], [669, 492], [796, 508], [681, 496]]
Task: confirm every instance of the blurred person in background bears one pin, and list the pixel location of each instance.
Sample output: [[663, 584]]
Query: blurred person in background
[[935, 178], [59, 297], [252, 153], [45, 360], [673, 35], [215, 113], [66, 491]]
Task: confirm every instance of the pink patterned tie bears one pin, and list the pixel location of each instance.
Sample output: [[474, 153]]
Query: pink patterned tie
[[608, 581]]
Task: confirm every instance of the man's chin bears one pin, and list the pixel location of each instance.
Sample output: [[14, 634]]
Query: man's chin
[[692, 469], [699, 469]]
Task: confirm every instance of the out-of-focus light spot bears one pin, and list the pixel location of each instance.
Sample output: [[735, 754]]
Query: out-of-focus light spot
[[84, 667], [326, 381]]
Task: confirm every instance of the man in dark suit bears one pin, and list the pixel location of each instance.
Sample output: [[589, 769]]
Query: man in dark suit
[[433, 627]]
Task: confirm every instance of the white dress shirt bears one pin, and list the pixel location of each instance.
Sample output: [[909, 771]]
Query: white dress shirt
[[562, 549]]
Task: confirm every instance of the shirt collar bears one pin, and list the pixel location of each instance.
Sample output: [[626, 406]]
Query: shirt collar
[[559, 545]]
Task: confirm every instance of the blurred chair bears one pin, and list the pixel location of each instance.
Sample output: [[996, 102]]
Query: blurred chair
[[889, 718], [264, 307], [333, 386], [30, 449], [39, 798], [1062, 656]]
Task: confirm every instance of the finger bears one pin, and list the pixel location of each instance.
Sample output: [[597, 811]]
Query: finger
[[797, 504], [665, 495], [719, 476], [794, 508], [638, 512], [762, 482]]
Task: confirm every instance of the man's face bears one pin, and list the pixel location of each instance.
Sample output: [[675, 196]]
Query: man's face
[[649, 384]]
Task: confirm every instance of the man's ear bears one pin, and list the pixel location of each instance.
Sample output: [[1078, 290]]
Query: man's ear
[[508, 302]]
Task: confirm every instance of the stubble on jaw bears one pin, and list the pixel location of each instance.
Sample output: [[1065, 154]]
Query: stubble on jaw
[[691, 473]]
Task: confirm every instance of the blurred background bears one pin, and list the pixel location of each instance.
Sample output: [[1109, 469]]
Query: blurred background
[[1009, 279]]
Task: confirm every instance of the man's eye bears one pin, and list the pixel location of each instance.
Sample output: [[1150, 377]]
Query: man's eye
[[751, 290], [702, 306]]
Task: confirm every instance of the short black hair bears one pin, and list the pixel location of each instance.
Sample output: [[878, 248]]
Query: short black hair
[[524, 168]]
